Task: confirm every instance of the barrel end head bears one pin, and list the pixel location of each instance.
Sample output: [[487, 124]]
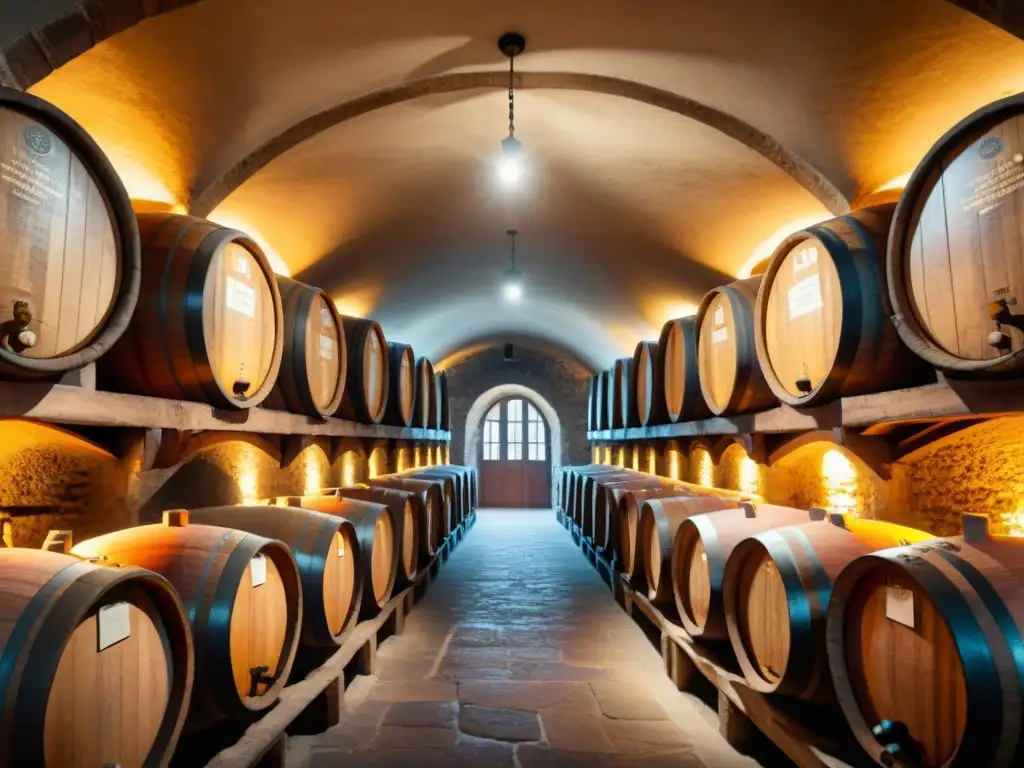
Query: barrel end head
[[748, 509], [176, 518], [838, 519], [817, 514], [977, 528], [58, 541]]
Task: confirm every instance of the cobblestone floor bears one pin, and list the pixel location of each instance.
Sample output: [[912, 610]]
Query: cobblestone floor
[[518, 657]]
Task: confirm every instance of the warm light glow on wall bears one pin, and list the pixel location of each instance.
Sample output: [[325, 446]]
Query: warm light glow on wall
[[839, 477], [770, 243], [652, 460], [636, 458], [417, 457], [705, 469], [608, 455], [595, 454], [348, 468], [373, 463], [314, 477], [447, 454], [748, 476], [673, 464], [357, 302], [898, 183], [402, 459], [622, 457], [1012, 523], [228, 219], [248, 473]]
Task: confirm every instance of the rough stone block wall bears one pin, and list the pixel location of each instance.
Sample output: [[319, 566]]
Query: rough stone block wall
[[559, 379]]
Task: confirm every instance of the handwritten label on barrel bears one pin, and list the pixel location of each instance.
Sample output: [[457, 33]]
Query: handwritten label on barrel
[[240, 298], [242, 265], [899, 605], [325, 318], [326, 347], [719, 316], [720, 334], [258, 568], [805, 297], [341, 544], [114, 622], [807, 257]]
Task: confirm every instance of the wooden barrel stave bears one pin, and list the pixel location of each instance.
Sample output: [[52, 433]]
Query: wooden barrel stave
[[235, 631], [312, 376], [702, 547], [402, 385], [326, 552], [368, 379], [731, 379], [49, 641], [71, 252], [776, 589]]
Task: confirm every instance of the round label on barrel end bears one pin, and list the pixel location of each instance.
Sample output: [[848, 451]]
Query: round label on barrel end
[[61, 254], [961, 251]]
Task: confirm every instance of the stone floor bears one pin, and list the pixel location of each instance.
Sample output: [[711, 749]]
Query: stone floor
[[519, 657]]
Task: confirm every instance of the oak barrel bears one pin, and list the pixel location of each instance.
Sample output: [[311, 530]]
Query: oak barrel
[[730, 375], [955, 266], [431, 493], [680, 377], [378, 543], [604, 521], [603, 412], [245, 605], [659, 521], [403, 516], [702, 547], [327, 554], [456, 490], [591, 522], [402, 385], [647, 385], [368, 379], [120, 636], [581, 508], [208, 326], [592, 396], [311, 380], [444, 415], [624, 520], [617, 398], [776, 591], [69, 248], [820, 326], [425, 415], [925, 641]]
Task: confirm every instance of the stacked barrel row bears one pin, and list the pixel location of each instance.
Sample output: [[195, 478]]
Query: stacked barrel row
[[864, 302], [116, 646], [174, 306], [916, 638]]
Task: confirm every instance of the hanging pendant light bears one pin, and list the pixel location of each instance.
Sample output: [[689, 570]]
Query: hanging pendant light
[[512, 285], [510, 166]]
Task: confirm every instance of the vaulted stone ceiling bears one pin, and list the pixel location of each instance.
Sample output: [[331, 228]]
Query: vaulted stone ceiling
[[669, 143]]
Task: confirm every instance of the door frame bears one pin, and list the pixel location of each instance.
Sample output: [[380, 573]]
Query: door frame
[[537, 469], [472, 449]]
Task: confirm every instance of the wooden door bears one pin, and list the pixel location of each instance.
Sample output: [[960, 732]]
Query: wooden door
[[515, 456]]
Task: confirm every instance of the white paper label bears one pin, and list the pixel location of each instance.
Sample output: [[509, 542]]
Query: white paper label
[[899, 605], [805, 297], [326, 347], [114, 622], [719, 316], [242, 265], [720, 334], [341, 544], [807, 257], [258, 567], [240, 297], [325, 316]]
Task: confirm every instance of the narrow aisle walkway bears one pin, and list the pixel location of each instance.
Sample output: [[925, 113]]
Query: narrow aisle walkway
[[518, 657]]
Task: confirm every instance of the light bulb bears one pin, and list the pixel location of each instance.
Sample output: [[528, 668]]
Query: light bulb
[[510, 166], [513, 290]]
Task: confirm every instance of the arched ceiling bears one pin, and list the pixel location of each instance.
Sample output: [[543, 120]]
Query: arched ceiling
[[667, 142]]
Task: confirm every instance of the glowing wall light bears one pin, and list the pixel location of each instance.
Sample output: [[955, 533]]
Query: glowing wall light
[[748, 476], [447, 454], [314, 475], [705, 469], [348, 468], [608, 455], [636, 458], [417, 457], [595, 454], [839, 477], [1013, 522], [673, 464], [248, 474], [373, 468], [402, 459], [652, 460]]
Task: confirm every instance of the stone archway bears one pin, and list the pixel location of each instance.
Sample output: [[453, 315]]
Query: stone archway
[[480, 407]]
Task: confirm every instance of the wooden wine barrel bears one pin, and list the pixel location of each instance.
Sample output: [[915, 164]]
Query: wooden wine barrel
[[591, 491], [378, 544], [327, 553], [369, 379], [776, 590], [403, 515], [592, 401], [402, 385], [313, 365], [928, 637], [956, 288], [245, 607], [602, 415], [582, 491], [702, 547], [619, 381], [426, 400], [820, 326], [444, 417], [464, 481], [605, 519], [659, 521], [680, 378], [69, 260], [647, 385], [624, 523], [208, 326], [435, 510], [455, 492], [730, 375], [98, 663]]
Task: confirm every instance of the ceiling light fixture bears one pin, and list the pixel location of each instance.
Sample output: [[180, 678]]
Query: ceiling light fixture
[[510, 167], [512, 286]]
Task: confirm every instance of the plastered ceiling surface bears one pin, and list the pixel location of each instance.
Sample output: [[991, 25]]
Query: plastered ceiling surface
[[630, 210]]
